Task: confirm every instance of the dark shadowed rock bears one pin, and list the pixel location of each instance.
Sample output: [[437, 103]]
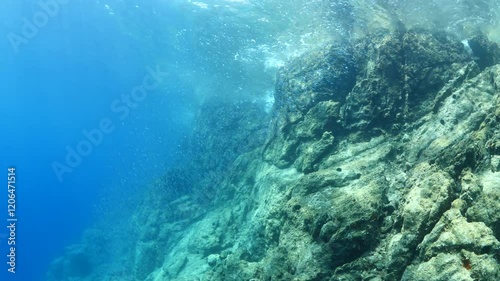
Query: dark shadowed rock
[[487, 53]]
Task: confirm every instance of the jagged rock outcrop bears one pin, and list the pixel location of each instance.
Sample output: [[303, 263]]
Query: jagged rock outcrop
[[383, 163], [378, 178], [382, 83]]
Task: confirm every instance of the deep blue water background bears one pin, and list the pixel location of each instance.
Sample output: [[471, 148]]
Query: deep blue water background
[[61, 82]]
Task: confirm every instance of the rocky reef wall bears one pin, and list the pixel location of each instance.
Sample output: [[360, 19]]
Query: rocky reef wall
[[382, 163]]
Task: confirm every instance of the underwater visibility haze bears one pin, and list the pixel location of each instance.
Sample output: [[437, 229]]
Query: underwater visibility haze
[[250, 140]]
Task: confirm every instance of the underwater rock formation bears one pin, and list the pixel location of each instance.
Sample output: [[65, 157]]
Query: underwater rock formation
[[382, 163]]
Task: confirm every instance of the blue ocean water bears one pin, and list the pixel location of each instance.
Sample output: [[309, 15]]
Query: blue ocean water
[[97, 96], [64, 80]]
